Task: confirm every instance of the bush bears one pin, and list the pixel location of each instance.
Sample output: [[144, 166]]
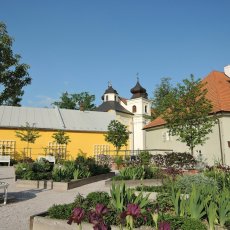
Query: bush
[[185, 182], [62, 211], [145, 157], [63, 172], [98, 198], [193, 224], [146, 188]]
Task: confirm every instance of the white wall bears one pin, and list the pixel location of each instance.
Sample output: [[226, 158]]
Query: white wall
[[155, 139]]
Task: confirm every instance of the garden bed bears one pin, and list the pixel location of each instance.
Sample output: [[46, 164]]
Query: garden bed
[[43, 222], [134, 183], [62, 186]]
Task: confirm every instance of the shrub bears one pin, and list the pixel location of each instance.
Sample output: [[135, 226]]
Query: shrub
[[145, 157], [98, 198], [193, 224], [146, 188], [185, 182], [63, 172], [62, 211]]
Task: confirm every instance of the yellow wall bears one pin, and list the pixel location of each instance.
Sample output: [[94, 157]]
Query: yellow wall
[[80, 141]]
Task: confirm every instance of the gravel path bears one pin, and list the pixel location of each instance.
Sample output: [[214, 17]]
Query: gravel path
[[15, 215]]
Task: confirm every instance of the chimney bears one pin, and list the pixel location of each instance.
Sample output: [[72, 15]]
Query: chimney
[[227, 70]]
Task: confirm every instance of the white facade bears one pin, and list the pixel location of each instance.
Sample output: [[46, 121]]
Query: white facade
[[141, 109]]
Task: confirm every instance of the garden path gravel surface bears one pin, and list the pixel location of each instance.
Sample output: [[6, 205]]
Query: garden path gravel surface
[[24, 202]]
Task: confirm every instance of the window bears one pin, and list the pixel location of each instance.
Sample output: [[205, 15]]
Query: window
[[107, 98], [134, 109], [146, 109], [115, 98]]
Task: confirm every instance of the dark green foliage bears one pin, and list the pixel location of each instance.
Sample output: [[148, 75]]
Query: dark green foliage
[[13, 75], [187, 112], [38, 170], [117, 134], [98, 198], [62, 211], [175, 159], [164, 201], [160, 189], [193, 224], [64, 171], [145, 157], [76, 100]]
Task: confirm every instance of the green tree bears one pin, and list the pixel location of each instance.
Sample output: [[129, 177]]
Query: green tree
[[161, 91], [75, 101], [28, 134], [117, 134], [61, 139], [13, 75], [188, 113]]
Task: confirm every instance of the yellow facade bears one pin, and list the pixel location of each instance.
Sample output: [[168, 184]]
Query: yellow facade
[[81, 142]]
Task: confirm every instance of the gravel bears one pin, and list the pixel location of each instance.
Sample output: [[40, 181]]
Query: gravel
[[16, 213]]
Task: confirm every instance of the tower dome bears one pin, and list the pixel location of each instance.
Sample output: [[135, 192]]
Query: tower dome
[[138, 91], [110, 91]]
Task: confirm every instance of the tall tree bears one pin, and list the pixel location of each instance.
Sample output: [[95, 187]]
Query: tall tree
[[161, 91], [188, 113], [117, 134], [13, 75], [76, 100]]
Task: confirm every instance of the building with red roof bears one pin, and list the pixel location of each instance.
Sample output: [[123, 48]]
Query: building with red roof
[[217, 147]]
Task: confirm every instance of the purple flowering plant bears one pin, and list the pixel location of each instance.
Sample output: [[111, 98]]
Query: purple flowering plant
[[77, 217]]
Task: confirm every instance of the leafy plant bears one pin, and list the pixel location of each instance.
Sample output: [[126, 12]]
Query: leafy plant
[[211, 210], [94, 198], [145, 157], [193, 224]]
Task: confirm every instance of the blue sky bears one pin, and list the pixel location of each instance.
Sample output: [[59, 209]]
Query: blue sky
[[78, 46]]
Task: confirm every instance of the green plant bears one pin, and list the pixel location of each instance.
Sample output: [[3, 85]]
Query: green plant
[[133, 173], [211, 210], [193, 224], [196, 202], [62, 211], [145, 157], [118, 160], [185, 182], [94, 198], [223, 206]]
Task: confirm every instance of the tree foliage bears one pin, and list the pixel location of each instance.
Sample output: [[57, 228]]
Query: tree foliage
[[75, 100], [117, 134], [188, 112], [28, 134], [13, 75], [61, 138], [160, 92]]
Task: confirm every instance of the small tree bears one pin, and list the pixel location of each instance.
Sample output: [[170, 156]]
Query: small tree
[[188, 113], [61, 139], [28, 134], [117, 135]]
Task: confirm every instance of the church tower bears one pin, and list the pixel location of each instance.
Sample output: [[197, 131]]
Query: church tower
[[140, 106]]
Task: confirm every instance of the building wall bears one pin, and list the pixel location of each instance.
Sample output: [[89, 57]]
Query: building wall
[[158, 138], [80, 142]]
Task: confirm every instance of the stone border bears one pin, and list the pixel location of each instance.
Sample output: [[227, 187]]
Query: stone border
[[134, 183], [42, 222], [61, 186]]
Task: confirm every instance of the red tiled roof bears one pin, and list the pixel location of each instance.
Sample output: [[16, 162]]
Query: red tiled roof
[[124, 100], [218, 86]]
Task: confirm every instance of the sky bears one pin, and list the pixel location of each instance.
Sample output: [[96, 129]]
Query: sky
[[81, 45]]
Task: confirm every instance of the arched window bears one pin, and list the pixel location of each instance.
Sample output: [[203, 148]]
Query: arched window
[[134, 109], [146, 109], [115, 98]]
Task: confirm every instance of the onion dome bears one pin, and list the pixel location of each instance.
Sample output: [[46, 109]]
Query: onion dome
[[138, 91], [109, 91]]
